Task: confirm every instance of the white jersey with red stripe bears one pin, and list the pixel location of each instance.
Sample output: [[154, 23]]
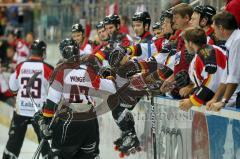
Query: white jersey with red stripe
[[204, 81], [19, 79], [22, 51], [198, 74], [86, 49], [78, 85]]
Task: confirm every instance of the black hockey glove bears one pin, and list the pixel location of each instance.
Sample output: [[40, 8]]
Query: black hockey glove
[[208, 56], [182, 79], [43, 123], [129, 69], [188, 56], [116, 56], [105, 72]]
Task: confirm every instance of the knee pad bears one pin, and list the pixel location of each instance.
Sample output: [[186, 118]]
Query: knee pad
[[125, 120]]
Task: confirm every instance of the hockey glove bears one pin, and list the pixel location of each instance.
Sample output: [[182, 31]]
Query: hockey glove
[[44, 123], [116, 56], [129, 69], [107, 72], [182, 79]]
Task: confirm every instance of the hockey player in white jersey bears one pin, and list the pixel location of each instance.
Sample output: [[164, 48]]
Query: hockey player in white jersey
[[76, 83], [24, 110]]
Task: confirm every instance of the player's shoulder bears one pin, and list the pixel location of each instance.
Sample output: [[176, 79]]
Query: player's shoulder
[[19, 66], [48, 65]]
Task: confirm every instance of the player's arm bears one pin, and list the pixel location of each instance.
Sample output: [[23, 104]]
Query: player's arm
[[54, 96], [204, 91], [233, 76], [13, 81]]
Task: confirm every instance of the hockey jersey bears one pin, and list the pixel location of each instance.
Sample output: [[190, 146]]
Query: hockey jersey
[[85, 48], [18, 82], [207, 83], [78, 86], [146, 50]]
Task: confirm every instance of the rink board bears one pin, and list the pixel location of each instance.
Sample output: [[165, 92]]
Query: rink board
[[197, 134]]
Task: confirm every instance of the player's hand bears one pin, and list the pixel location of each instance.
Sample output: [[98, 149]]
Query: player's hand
[[185, 91], [166, 86], [217, 106], [209, 103], [185, 104], [46, 132]]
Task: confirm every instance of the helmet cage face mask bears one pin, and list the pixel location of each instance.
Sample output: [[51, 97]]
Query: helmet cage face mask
[[70, 51]]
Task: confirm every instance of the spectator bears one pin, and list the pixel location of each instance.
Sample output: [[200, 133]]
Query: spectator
[[29, 38], [22, 49], [3, 22], [12, 14], [226, 28]]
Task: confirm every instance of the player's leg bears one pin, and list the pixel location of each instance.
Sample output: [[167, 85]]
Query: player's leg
[[90, 147], [16, 134], [46, 147]]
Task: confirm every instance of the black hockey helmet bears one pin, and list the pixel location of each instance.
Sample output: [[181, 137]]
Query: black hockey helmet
[[205, 11], [209, 11], [70, 51], [38, 48], [77, 28], [143, 17], [199, 9], [68, 42], [112, 19], [100, 25], [157, 25], [166, 14]]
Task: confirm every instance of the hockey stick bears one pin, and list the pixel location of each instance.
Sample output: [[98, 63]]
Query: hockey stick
[[28, 89], [153, 118]]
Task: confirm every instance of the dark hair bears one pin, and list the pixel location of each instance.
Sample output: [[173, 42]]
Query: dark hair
[[226, 20], [196, 36], [183, 9]]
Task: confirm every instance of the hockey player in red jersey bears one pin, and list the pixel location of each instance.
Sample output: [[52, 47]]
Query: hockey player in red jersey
[[202, 17], [181, 16], [24, 111]]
